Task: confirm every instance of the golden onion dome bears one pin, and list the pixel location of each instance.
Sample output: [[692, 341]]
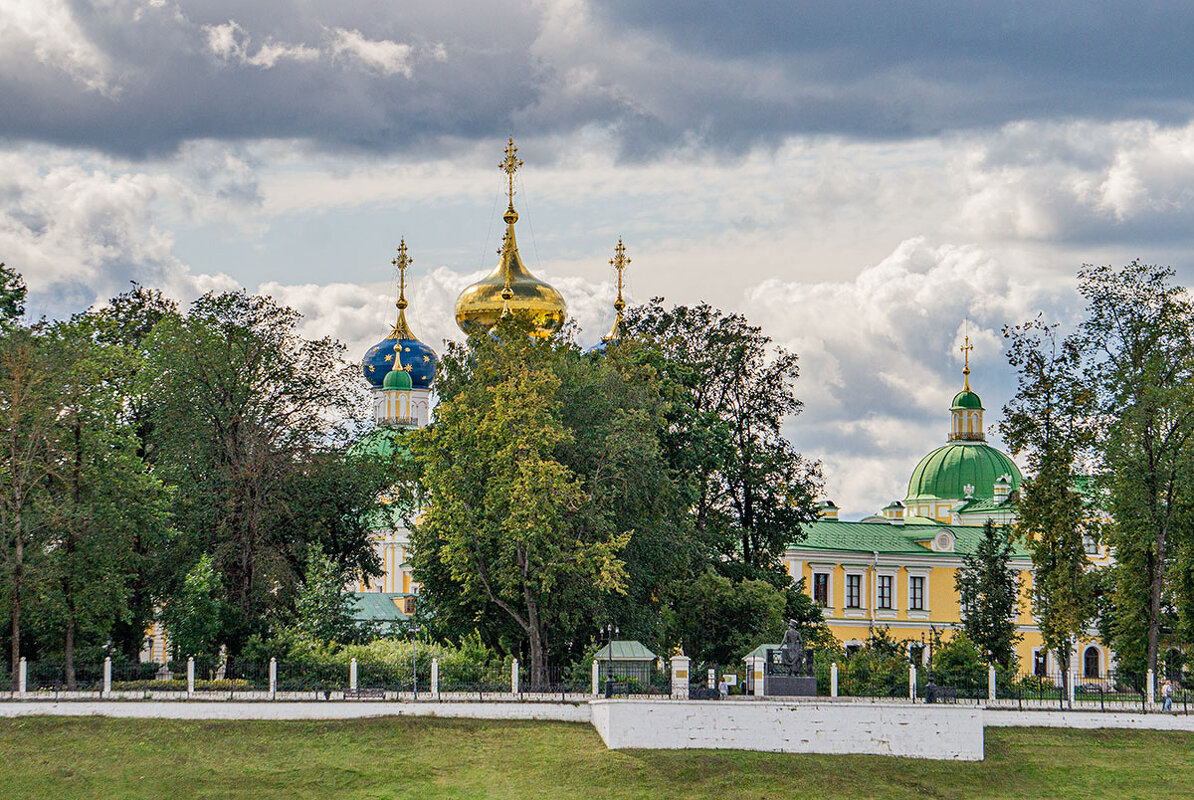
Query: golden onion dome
[[510, 288]]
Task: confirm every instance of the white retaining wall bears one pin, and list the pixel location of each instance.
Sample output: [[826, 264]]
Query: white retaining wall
[[996, 718], [561, 712], [916, 731]]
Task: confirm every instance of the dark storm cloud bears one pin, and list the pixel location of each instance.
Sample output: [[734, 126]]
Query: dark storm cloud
[[732, 75]]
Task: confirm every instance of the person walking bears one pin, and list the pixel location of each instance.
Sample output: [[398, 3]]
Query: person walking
[[1167, 696], [723, 689]]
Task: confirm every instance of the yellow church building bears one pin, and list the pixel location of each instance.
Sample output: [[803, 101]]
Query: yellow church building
[[895, 570]]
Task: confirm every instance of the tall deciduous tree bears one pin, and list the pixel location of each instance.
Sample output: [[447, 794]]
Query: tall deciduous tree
[[1050, 420], [27, 418], [732, 391], [989, 590], [243, 411], [542, 470], [100, 497], [1138, 333]]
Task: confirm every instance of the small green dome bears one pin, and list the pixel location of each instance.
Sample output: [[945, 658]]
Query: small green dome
[[967, 399], [398, 379], [945, 472]]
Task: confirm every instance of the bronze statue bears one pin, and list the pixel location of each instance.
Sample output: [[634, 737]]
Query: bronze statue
[[795, 659]]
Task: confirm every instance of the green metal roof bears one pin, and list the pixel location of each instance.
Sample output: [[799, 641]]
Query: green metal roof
[[866, 538], [378, 607], [761, 651], [945, 472], [626, 651]]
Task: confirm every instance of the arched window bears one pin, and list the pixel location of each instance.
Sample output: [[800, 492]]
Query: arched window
[[1090, 662]]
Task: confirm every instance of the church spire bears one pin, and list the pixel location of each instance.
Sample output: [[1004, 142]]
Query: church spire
[[966, 411], [619, 262]]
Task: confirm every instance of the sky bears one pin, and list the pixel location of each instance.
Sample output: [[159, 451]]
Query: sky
[[869, 182]]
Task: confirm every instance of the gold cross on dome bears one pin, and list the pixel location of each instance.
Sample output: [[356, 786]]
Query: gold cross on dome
[[966, 348], [619, 262], [402, 262], [510, 165]]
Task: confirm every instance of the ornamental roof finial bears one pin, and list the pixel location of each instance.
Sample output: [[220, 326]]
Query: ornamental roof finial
[[619, 262], [510, 165], [966, 348], [402, 263]]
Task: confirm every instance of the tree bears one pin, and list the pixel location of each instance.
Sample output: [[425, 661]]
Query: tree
[[989, 591], [12, 295], [1138, 334], [98, 499], [27, 418], [1050, 419], [723, 620], [193, 614], [246, 415], [323, 607], [507, 521]]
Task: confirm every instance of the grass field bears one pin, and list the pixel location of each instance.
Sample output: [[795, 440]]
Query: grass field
[[62, 759]]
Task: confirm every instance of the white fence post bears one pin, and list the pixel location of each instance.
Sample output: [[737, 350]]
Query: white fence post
[[680, 677], [23, 676], [990, 683], [273, 678], [833, 679], [1070, 682], [190, 676], [352, 675], [912, 682], [596, 677], [1152, 688], [514, 677], [435, 678], [107, 677]]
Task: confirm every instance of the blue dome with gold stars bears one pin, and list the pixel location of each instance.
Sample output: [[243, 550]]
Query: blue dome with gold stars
[[416, 358], [402, 349]]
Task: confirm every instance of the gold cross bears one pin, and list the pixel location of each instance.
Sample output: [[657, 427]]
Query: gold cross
[[510, 165], [619, 262], [966, 348], [402, 262]]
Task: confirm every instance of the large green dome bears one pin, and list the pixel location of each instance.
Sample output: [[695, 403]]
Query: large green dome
[[944, 472]]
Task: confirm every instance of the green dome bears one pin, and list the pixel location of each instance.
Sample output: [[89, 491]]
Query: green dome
[[967, 399], [944, 472], [398, 379]]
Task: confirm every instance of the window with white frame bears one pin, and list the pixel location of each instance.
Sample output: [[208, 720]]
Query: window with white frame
[[821, 589], [884, 590], [916, 593], [853, 591]]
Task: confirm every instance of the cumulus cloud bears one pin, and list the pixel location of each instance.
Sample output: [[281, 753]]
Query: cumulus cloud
[[231, 42], [379, 55], [880, 357]]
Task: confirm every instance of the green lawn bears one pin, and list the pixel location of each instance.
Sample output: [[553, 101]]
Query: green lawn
[[61, 758]]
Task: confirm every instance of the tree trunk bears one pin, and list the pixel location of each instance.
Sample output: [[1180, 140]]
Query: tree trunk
[[68, 653], [18, 564]]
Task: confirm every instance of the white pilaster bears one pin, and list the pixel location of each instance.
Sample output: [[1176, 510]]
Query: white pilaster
[[680, 677], [107, 690], [352, 675], [190, 676], [273, 678], [833, 679]]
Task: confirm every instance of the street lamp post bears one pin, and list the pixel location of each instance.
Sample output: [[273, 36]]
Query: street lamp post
[[610, 631]]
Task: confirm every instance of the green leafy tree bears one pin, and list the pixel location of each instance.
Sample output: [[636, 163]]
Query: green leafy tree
[[28, 415], [1138, 333], [731, 392], [515, 519], [323, 607], [244, 424], [723, 620], [192, 615], [988, 588], [98, 500], [12, 295], [1050, 419]]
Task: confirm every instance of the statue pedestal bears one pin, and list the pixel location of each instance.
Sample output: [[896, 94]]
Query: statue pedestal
[[791, 686]]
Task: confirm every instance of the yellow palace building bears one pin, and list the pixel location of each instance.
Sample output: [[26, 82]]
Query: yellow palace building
[[895, 570]]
